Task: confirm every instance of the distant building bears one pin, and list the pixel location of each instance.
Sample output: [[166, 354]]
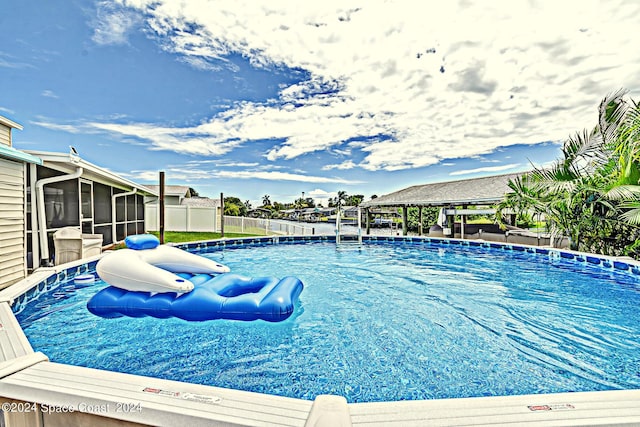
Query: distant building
[[173, 194], [259, 213], [182, 211]]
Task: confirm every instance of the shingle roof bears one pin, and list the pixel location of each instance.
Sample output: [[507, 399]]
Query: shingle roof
[[200, 202], [485, 190], [171, 190]]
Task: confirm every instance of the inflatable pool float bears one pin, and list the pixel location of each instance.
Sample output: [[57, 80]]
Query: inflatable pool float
[[225, 296], [149, 279], [148, 266]]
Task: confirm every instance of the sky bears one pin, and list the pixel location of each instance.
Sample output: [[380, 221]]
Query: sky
[[288, 97]]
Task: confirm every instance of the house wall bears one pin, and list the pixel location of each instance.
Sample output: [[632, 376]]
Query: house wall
[[12, 226], [5, 135]]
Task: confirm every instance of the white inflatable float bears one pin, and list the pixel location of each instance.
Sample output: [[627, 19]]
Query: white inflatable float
[[147, 266]]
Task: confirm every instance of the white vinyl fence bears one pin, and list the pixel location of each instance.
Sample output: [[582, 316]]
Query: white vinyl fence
[[182, 218], [207, 219], [239, 224]]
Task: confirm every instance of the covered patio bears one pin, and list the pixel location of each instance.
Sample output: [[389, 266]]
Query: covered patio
[[460, 198]]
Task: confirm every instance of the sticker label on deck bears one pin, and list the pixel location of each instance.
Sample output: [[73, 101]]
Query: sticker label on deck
[[552, 407], [203, 398]]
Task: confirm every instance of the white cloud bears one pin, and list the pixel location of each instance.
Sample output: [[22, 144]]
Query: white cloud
[[223, 163], [113, 23], [206, 140], [49, 94], [175, 174], [349, 164], [59, 127], [9, 61], [486, 169], [280, 176], [413, 82], [321, 197]]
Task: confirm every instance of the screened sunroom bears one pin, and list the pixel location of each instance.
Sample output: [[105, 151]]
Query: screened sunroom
[[67, 191]]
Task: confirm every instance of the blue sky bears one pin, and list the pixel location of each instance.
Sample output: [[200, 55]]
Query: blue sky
[[282, 97]]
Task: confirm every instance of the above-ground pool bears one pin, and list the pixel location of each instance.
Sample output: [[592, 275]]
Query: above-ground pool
[[379, 322]]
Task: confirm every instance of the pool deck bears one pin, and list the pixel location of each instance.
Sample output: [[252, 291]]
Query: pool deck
[[70, 395]]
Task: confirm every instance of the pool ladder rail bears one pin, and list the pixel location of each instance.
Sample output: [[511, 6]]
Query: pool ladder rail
[[348, 238]]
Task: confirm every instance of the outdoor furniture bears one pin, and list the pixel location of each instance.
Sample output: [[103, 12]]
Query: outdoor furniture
[[436, 231], [71, 244]]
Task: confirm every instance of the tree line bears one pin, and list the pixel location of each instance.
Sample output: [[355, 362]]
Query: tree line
[[233, 206]]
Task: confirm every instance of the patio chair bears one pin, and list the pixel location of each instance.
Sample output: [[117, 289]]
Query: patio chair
[[71, 245]]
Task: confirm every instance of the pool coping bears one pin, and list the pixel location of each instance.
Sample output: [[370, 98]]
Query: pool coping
[[28, 376]]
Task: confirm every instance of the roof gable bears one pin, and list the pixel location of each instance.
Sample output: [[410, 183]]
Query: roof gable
[[171, 190]]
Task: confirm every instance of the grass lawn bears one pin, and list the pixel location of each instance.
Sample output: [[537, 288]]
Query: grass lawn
[[181, 237]]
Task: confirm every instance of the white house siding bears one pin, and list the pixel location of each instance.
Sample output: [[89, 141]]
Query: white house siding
[[12, 227], [5, 135]]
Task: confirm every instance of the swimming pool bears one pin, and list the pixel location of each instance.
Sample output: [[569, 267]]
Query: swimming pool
[[386, 321]]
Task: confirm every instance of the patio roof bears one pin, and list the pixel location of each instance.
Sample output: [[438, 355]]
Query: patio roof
[[475, 191], [68, 163], [13, 154]]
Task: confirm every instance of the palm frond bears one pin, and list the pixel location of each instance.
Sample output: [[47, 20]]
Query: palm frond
[[555, 179], [612, 111], [632, 216], [623, 192]]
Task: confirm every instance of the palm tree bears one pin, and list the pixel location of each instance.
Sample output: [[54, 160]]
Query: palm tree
[[591, 192], [266, 200], [342, 195]]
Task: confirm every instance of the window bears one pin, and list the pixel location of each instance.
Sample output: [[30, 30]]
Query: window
[[101, 203], [120, 209], [140, 208], [61, 201], [131, 207]]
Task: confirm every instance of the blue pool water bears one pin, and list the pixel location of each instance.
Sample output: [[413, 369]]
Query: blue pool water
[[384, 322]]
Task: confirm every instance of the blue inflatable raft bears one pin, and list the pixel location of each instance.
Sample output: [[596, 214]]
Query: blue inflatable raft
[[225, 296], [149, 279]]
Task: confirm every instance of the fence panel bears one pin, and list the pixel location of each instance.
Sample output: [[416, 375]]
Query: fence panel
[[182, 218], [176, 218], [151, 217], [204, 219], [240, 224]]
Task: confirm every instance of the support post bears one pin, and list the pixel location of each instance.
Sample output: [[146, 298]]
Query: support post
[[221, 215], [359, 225], [161, 227], [338, 225], [368, 220], [35, 246], [404, 221], [419, 220], [462, 221]]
